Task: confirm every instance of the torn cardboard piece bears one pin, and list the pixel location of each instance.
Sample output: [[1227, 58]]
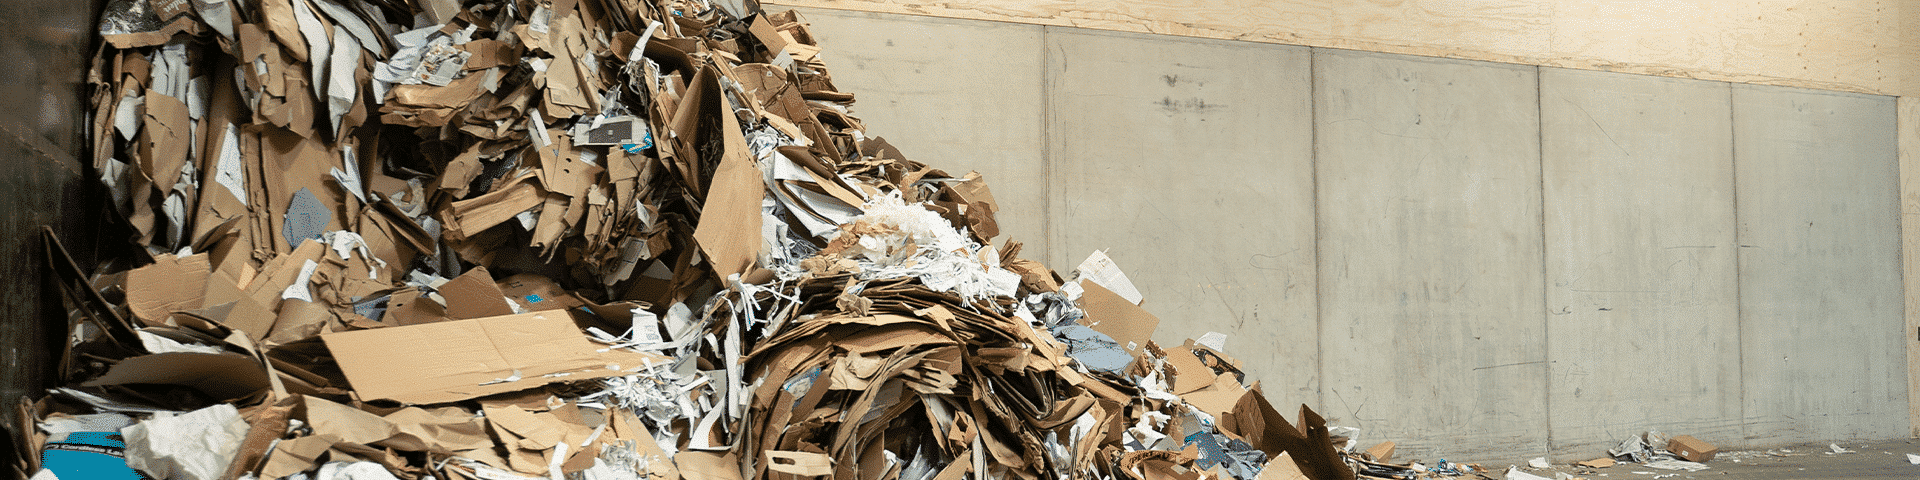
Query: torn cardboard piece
[[458, 360]]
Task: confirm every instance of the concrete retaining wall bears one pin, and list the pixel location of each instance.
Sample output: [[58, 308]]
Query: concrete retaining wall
[[1476, 260]]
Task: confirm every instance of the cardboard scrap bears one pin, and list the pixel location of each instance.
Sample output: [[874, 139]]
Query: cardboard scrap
[[1382, 452], [1281, 467], [1596, 463], [170, 284], [458, 360], [474, 295], [611, 239], [1113, 315], [222, 376]]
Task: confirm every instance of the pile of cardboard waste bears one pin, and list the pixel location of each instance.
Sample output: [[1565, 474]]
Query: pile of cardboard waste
[[583, 239]]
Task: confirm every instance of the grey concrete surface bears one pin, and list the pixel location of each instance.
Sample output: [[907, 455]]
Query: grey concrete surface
[[1820, 298], [1642, 294], [923, 84], [1474, 260], [1430, 251], [1185, 158]]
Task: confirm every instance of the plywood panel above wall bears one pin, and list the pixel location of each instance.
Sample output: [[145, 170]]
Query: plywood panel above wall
[[1848, 45]]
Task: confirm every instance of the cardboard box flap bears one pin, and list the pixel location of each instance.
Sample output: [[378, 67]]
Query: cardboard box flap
[[474, 295], [351, 425], [170, 284], [731, 245], [537, 293], [223, 376], [443, 430], [1109, 313], [458, 360]]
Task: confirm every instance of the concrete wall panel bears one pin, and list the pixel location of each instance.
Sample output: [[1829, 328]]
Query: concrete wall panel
[[1642, 293], [1189, 161], [1492, 264], [1430, 253], [955, 112], [1821, 301]]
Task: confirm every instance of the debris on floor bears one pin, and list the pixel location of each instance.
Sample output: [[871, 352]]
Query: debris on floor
[[585, 239], [1682, 453]]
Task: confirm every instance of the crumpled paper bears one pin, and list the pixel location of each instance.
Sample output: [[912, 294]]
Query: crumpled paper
[[197, 445]]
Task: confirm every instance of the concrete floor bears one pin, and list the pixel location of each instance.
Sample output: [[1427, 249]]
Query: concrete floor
[[1884, 459]]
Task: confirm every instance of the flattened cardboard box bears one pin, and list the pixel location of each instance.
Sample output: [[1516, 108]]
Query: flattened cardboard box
[[458, 360]]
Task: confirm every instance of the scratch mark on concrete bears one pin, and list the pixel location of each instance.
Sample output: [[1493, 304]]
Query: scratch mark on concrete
[[1511, 364]]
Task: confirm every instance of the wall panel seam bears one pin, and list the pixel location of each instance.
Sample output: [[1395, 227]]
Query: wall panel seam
[[1546, 321], [1319, 280], [1739, 267], [1046, 145]]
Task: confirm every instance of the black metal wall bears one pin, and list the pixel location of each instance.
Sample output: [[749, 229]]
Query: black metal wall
[[45, 49]]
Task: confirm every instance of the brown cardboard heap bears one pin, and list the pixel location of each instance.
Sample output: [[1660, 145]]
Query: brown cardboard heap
[[466, 239]]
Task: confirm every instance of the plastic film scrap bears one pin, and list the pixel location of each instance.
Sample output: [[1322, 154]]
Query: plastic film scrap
[[584, 239]]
